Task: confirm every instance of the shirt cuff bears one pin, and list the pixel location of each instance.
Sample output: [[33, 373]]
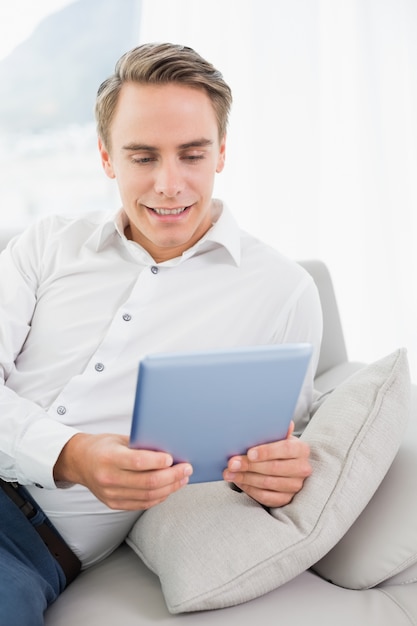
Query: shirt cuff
[[38, 451]]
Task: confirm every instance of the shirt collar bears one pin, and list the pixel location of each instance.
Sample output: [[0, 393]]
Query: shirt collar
[[224, 232], [105, 232]]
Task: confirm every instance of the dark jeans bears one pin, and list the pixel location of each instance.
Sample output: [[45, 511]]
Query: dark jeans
[[30, 578]]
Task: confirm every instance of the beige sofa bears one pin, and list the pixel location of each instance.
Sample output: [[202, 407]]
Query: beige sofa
[[122, 590]]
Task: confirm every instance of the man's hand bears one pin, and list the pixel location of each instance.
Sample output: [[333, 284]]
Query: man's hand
[[272, 473], [117, 475]]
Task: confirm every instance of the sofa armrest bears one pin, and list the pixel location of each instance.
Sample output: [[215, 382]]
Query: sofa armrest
[[333, 348]]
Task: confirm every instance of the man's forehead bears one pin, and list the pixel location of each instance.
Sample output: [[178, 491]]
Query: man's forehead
[[149, 102]]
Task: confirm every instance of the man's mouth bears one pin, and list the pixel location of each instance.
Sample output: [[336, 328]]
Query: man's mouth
[[160, 211]]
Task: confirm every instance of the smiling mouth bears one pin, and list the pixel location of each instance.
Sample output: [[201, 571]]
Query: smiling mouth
[[177, 211]]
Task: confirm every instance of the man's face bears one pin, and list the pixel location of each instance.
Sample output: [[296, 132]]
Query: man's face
[[165, 152]]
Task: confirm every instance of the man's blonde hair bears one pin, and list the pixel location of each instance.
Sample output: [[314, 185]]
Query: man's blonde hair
[[162, 64]]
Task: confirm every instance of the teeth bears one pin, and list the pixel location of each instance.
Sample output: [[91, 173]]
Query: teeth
[[170, 211]]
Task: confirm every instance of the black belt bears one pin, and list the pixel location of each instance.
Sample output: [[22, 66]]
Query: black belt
[[69, 562]]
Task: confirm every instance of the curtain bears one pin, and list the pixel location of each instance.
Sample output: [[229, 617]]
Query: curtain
[[322, 144]]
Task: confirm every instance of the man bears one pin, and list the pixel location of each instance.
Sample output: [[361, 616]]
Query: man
[[82, 300]]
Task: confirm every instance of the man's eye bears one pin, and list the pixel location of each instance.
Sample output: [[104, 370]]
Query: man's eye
[[193, 157], [142, 160]]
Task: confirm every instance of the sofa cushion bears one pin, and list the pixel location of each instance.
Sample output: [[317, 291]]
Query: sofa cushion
[[213, 547], [404, 577]]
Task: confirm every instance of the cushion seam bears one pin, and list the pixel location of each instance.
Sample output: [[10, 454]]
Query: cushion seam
[[403, 610]]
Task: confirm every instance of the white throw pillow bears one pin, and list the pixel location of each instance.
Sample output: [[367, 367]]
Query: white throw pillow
[[213, 547]]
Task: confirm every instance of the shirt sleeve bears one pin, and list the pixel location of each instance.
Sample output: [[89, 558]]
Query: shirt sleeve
[[31, 440], [304, 323]]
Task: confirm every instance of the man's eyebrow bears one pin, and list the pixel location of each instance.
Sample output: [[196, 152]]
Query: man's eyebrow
[[197, 143], [141, 147]]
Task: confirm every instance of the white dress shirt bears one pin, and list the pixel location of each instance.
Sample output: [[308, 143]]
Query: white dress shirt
[[79, 307]]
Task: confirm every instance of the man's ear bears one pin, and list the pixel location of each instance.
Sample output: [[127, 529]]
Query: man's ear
[[222, 155], [105, 159]]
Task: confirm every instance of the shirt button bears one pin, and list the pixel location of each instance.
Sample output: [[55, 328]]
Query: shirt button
[[154, 269], [61, 410], [127, 317], [99, 367]]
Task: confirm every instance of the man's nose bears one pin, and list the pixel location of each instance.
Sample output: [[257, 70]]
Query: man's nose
[[169, 181]]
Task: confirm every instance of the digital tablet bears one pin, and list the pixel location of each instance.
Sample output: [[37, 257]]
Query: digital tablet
[[204, 407]]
